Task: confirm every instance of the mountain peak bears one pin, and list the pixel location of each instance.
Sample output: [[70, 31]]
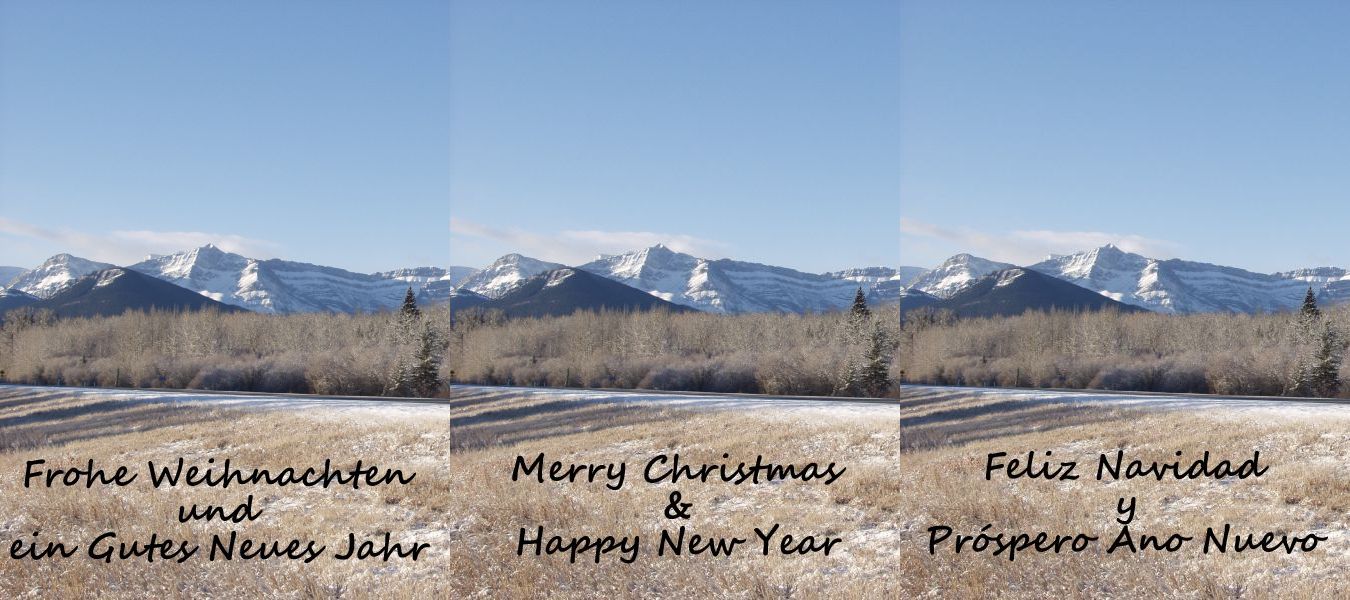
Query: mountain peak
[[55, 273], [659, 250], [1111, 250], [61, 259], [505, 273], [211, 250], [955, 273], [510, 259], [565, 290], [1015, 290]]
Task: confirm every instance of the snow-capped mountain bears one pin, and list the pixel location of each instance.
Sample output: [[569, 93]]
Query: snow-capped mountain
[[432, 284], [280, 286], [956, 273], [116, 290], [1332, 284], [1175, 286], [427, 275], [883, 285], [55, 274], [504, 274], [1016, 290], [876, 275], [567, 290], [724, 285]]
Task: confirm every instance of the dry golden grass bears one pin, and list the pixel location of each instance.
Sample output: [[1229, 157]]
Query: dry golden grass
[[900, 481], [67, 431], [910, 465]]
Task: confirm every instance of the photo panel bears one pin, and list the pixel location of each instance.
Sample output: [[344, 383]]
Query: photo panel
[[672, 348], [224, 231], [1123, 219]]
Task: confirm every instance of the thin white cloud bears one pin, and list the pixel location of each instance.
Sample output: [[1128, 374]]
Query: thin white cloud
[[575, 247], [124, 247], [1027, 246]]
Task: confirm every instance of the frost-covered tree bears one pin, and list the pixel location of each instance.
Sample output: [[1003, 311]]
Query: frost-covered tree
[[1309, 317], [418, 352], [876, 364], [858, 317], [867, 363], [424, 376], [1325, 369], [1310, 309], [410, 305], [1319, 352]]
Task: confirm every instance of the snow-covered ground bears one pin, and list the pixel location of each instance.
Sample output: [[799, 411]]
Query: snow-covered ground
[[1245, 407], [848, 408], [338, 407], [825, 408]]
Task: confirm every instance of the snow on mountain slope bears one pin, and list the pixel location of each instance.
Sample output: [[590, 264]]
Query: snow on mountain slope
[[116, 290], [1017, 290], [874, 275], [55, 274], [279, 286], [882, 284], [567, 290], [725, 286], [504, 274], [867, 275], [1174, 286], [1332, 284], [956, 273], [433, 285]]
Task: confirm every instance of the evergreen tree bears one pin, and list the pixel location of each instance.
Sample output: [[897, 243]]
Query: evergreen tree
[[408, 372], [876, 367], [850, 377], [1309, 317], [867, 362], [1319, 353], [408, 317], [858, 317], [1310, 310], [424, 374], [860, 310], [1324, 373], [399, 382]]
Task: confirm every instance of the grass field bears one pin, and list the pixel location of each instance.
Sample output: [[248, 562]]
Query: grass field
[[909, 466]]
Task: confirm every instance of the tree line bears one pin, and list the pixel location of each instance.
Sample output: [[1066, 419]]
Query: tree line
[[863, 351], [846, 353], [398, 353], [1280, 354]]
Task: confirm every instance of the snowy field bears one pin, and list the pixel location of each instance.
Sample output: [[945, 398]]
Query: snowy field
[[911, 463]]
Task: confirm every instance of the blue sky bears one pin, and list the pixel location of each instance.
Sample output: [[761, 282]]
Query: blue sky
[[315, 131], [764, 131], [794, 133], [1217, 131]]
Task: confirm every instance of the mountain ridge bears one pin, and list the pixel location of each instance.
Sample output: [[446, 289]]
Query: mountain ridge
[[566, 290]]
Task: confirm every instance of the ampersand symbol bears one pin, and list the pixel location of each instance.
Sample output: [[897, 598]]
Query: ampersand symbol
[[676, 509]]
